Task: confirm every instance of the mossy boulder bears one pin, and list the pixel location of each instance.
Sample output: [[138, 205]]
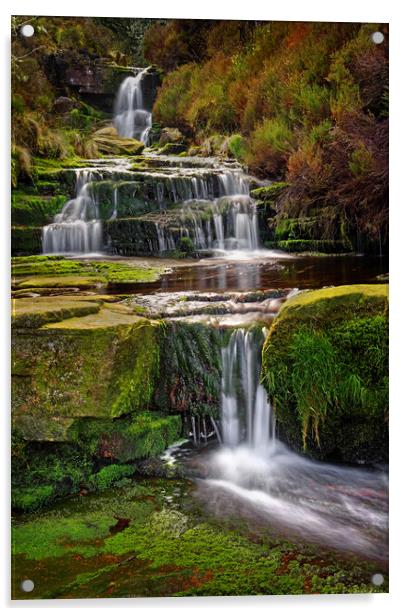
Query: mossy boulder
[[325, 367], [170, 135], [100, 364], [109, 142]]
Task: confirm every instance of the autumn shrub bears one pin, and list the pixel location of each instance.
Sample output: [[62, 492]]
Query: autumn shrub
[[269, 147]]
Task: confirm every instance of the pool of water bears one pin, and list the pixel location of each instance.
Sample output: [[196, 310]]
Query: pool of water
[[266, 273]]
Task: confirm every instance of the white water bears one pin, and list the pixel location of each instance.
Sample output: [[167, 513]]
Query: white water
[[77, 228], [246, 415], [224, 223], [131, 119], [255, 475]]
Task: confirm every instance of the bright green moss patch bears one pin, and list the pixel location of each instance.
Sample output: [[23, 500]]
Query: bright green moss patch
[[47, 265], [325, 366], [110, 474], [130, 542], [81, 282], [31, 499], [44, 271]]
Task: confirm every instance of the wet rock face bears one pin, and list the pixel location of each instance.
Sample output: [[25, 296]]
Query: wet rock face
[[92, 79]]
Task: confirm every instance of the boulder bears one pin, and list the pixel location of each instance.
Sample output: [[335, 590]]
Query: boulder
[[325, 367], [170, 135], [64, 104]]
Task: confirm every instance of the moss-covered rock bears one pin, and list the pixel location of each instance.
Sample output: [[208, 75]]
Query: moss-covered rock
[[190, 370], [56, 272], [29, 313], [325, 366], [34, 210], [26, 240], [109, 142], [99, 365], [311, 246]]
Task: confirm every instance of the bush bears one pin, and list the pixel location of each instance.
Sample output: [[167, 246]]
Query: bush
[[270, 146], [238, 147], [186, 245]]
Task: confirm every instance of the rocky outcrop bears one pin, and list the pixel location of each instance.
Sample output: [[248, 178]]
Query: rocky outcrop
[[94, 80], [325, 366], [58, 343]]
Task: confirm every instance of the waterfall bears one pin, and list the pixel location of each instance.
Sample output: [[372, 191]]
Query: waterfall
[[131, 119], [255, 473], [232, 222], [76, 229], [246, 415]]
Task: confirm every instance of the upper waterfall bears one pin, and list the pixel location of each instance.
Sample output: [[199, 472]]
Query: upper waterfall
[[131, 118]]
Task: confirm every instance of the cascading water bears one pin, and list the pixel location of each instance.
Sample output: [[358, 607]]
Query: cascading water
[[256, 475], [131, 119], [246, 414], [77, 228], [217, 215]]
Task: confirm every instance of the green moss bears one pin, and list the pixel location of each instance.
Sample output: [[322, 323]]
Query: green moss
[[53, 271], [136, 436], [31, 499], [48, 282], [166, 550], [173, 148], [313, 246], [45, 265], [110, 474], [26, 240], [32, 312], [190, 372], [269, 193], [325, 366], [122, 346], [33, 210]]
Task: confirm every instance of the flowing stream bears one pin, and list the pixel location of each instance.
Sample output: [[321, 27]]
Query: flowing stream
[[203, 199], [208, 201], [255, 475]]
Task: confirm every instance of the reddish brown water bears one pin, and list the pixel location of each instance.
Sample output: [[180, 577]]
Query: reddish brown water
[[301, 272]]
